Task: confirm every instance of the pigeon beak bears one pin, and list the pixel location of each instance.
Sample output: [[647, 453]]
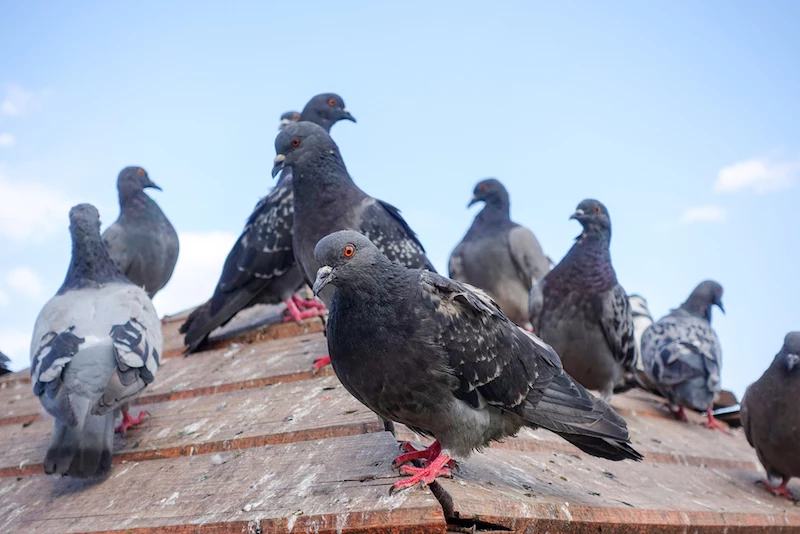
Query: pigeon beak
[[347, 115], [284, 123], [325, 276], [473, 201], [792, 360], [278, 165], [577, 215], [152, 185]]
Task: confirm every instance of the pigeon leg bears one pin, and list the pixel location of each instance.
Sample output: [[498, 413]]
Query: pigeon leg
[[679, 412], [413, 453], [297, 315], [128, 421], [306, 304], [319, 363], [712, 423], [779, 491], [424, 475]]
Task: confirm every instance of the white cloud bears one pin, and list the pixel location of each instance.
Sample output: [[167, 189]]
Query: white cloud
[[3, 298], [200, 261], [25, 281], [697, 214], [18, 102], [16, 344], [7, 140], [760, 175], [30, 211]]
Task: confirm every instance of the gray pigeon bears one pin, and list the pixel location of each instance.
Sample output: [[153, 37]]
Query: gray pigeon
[[770, 417], [5, 363], [682, 356], [142, 242], [289, 117], [260, 268], [440, 357], [95, 346], [641, 322], [498, 255], [580, 309]]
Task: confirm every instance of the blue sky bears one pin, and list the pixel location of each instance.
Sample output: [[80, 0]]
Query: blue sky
[[681, 117]]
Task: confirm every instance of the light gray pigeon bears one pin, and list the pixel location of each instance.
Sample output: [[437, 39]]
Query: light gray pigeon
[[260, 268], [95, 346], [142, 242], [682, 355], [771, 419], [641, 322], [443, 359], [582, 311], [5, 363], [498, 255]]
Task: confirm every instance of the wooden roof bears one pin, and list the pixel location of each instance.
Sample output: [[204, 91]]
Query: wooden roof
[[244, 438]]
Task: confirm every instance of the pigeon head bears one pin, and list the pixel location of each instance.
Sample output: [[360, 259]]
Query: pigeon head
[[90, 264], [84, 222], [490, 191], [290, 117], [707, 294], [301, 142], [594, 218], [326, 110], [346, 258], [791, 349], [133, 180]]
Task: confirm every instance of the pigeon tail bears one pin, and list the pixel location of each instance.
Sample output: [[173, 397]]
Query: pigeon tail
[[81, 451]]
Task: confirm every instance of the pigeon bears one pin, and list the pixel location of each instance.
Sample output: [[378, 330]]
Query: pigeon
[[498, 255], [5, 364], [682, 355], [582, 311], [770, 418], [142, 242], [441, 357], [260, 268], [95, 346], [641, 321]]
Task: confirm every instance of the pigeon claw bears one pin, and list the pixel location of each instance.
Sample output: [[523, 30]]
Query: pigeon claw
[[297, 315], [128, 421], [779, 491], [423, 475], [712, 423], [428, 455], [304, 304], [319, 363]]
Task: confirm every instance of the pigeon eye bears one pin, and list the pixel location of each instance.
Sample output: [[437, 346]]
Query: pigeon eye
[[140, 171], [295, 142], [597, 209], [482, 187], [348, 251], [331, 102], [297, 116]]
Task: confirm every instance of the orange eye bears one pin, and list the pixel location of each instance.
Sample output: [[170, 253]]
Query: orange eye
[[140, 171], [597, 209], [295, 142], [482, 187], [348, 251], [331, 102], [297, 116]]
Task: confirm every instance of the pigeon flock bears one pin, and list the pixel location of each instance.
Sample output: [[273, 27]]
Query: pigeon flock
[[509, 340]]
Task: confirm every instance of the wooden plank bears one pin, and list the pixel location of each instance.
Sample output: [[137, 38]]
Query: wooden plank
[[332, 485], [18, 404], [283, 413]]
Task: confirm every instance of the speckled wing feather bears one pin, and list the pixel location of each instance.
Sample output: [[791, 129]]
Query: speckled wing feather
[[614, 314], [393, 236]]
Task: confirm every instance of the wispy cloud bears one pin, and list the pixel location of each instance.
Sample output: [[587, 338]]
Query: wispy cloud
[[7, 140], [25, 281], [3, 298], [760, 175], [30, 211], [16, 345], [697, 214], [18, 102]]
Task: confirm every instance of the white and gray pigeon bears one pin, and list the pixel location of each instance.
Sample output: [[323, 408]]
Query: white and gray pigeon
[[96, 345], [582, 311], [641, 322], [260, 268], [770, 417], [440, 357], [498, 255], [682, 355], [142, 241], [5, 364]]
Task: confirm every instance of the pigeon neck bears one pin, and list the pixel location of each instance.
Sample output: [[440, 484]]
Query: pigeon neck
[[495, 209], [317, 118], [698, 307], [91, 266], [320, 175], [587, 264], [134, 202]]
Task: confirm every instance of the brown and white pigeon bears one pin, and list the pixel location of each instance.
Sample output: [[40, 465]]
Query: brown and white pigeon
[[770, 417], [96, 345], [498, 255]]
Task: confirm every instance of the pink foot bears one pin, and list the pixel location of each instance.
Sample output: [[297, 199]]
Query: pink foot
[[712, 423], [780, 491], [319, 363], [423, 475], [679, 413], [412, 453], [128, 421], [306, 304], [296, 315]]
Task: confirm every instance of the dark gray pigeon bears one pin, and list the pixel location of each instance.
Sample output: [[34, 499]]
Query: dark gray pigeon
[[682, 355], [5, 363], [498, 255], [770, 417], [95, 346], [440, 357], [289, 117], [142, 242], [260, 268], [580, 309]]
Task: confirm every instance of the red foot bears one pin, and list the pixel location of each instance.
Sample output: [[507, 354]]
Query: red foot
[[423, 475], [296, 315], [413, 453], [780, 491], [679, 413], [128, 421], [712, 423], [306, 304], [319, 363]]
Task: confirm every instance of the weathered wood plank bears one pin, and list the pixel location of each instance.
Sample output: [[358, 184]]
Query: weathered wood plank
[[332, 485]]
